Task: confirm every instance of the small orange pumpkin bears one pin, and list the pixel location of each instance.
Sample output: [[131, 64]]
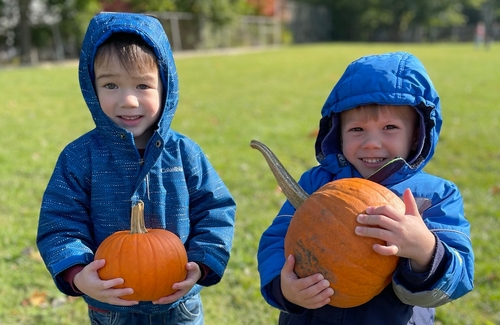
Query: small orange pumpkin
[[322, 239], [149, 260]]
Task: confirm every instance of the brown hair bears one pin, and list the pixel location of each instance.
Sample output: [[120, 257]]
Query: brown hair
[[132, 51], [372, 111]]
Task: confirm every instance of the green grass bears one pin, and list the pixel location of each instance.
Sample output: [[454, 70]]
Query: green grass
[[273, 96]]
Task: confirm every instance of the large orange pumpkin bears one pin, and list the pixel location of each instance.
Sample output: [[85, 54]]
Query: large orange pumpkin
[[149, 260], [322, 239]]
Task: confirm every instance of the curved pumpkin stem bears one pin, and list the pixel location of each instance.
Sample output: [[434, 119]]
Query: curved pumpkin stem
[[137, 225], [293, 191]]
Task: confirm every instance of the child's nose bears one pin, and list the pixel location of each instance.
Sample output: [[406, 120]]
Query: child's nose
[[130, 100], [372, 142]]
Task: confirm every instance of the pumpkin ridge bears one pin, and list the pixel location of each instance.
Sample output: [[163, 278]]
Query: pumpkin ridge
[[364, 270], [349, 283], [132, 249], [326, 245], [152, 257], [384, 192], [176, 260], [347, 224], [170, 242]]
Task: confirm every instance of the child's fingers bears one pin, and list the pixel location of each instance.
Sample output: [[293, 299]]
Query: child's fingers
[[96, 265], [323, 296], [108, 284], [170, 299], [317, 288], [121, 292], [122, 302], [373, 232], [386, 250], [289, 265]]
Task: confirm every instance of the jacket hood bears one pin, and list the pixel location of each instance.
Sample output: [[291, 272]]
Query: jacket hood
[[396, 78], [100, 28]]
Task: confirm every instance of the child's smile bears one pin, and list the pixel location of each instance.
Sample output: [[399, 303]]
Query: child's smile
[[369, 142], [130, 121], [372, 160]]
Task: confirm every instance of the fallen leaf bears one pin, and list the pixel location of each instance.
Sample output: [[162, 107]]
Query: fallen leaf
[[495, 190], [37, 299], [314, 133]]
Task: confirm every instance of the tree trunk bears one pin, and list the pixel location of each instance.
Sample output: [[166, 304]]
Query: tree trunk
[[25, 32]]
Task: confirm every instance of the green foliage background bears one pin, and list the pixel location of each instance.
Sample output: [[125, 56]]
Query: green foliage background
[[274, 96]]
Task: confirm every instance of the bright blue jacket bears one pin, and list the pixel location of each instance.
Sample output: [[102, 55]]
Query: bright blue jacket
[[391, 79], [101, 175]]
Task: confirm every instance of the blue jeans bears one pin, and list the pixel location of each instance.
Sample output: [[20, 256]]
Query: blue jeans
[[188, 312]]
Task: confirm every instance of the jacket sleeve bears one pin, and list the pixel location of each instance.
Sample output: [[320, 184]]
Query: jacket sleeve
[[271, 254], [453, 276], [211, 212], [64, 228]]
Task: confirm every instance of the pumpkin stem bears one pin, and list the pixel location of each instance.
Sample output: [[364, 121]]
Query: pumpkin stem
[[137, 225], [292, 190]]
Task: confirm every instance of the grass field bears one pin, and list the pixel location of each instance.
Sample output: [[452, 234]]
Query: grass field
[[274, 96]]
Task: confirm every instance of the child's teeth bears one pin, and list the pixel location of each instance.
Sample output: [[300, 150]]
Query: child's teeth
[[372, 161]]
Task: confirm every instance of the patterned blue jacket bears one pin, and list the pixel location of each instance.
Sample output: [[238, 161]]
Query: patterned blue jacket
[[391, 79], [101, 175]]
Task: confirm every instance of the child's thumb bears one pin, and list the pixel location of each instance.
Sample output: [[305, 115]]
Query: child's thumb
[[96, 265], [289, 264], [410, 203]]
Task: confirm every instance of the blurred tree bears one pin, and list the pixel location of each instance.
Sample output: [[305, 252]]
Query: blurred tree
[[219, 12], [60, 24], [9, 18], [56, 24], [139, 5], [365, 19], [213, 16], [71, 18]]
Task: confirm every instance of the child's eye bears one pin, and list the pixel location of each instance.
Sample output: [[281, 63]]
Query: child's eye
[[143, 86], [356, 129], [390, 127], [110, 86]]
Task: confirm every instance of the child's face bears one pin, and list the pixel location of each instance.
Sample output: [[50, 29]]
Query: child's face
[[371, 140], [130, 101]]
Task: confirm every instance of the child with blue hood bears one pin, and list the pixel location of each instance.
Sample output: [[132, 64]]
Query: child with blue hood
[[129, 81], [381, 121]]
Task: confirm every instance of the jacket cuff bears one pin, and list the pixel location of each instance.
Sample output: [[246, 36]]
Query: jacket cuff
[[274, 288], [69, 275], [204, 271], [422, 281]]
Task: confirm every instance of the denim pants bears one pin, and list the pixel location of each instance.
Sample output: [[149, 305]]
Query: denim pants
[[188, 312]]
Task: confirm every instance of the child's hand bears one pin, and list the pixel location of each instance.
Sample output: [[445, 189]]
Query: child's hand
[[88, 282], [311, 292], [194, 274], [406, 234]]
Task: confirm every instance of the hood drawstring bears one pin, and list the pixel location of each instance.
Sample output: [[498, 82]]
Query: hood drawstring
[[147, 185], [141, 162]]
